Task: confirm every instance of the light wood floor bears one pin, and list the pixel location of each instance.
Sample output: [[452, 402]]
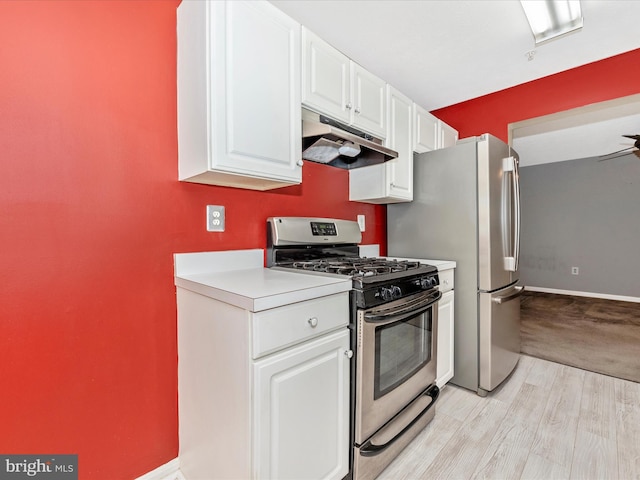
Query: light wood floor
[[548, 421]]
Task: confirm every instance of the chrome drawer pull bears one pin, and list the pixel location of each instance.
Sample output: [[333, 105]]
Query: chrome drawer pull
[[313, 321]]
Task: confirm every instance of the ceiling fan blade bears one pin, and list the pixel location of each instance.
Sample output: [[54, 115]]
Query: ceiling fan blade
[[618, 151], [634, 137], [613, 155]]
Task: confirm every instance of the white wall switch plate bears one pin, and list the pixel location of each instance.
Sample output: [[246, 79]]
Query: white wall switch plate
[[361, 223], [215, 218]]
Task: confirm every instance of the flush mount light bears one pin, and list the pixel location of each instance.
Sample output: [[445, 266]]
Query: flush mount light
[[550, 19]]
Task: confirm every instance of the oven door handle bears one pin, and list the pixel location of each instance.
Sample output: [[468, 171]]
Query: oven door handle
[[369, 450], [407, 310]]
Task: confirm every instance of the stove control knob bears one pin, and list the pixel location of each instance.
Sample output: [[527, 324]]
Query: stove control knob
[[397, 293], [386, 293], [427, 282]]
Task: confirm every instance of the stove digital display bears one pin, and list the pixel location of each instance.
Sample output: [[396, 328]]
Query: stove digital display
[[323, 229]]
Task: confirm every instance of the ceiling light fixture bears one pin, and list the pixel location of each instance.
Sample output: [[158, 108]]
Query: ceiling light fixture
[[550, 19]]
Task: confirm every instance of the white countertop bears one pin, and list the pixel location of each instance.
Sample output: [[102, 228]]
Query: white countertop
[[257, 288]]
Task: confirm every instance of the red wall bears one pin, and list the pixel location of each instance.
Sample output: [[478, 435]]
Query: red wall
[[90, 216], [611, 78], [91, 213]]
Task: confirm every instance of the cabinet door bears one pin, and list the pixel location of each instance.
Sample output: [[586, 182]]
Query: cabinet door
[[392, 181], [445, 339], [301, 411], [255, 102], [448, 135], [325, 78], [425, 130], [400, 139], [369, 184], [369, 105]]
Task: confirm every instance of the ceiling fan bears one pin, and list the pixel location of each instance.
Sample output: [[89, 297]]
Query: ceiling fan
[[620, 153]]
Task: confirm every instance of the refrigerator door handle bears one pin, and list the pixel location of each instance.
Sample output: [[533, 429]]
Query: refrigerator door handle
[[516, 187], [510, 165], [517, 291]]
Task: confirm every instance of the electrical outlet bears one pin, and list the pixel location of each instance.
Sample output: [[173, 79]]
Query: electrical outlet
[[575, 270], [361, 223], [215, 218]]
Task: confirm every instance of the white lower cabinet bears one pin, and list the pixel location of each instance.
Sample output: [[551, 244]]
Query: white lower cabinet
[[263, 395], [302, 418], [444, 369]]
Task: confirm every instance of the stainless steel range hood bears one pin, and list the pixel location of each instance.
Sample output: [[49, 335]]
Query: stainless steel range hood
[[325, 140]]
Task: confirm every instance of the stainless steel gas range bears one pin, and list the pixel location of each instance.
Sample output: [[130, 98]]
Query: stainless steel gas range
[[393, 323]]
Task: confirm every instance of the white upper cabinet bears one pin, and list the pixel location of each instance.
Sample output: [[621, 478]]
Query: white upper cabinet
[[429, 132], [326, 78], [239, 118], [425, 130], [369, 104], [448, 135], [335, 86], [392, 181], [400, 139]]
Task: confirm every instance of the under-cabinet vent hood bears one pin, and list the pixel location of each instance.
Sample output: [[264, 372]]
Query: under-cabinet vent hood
[[325, 140]]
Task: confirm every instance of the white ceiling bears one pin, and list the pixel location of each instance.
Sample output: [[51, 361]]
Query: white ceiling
[[442, 52], [593, 130]]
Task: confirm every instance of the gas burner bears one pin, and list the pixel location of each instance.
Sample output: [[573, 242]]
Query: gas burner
[[356, 266]]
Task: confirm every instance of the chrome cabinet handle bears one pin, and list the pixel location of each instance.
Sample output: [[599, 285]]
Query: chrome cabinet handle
[[348, 353], [300, 162], [313, 321], [357, 110], [348, 106]]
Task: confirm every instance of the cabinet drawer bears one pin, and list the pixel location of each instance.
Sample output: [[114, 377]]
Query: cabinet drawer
[[284, 326], [446, 280]]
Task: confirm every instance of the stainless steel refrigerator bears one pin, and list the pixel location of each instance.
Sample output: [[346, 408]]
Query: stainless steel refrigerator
[[466, 208]]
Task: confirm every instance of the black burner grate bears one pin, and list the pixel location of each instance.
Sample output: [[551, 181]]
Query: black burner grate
[[356, 266]]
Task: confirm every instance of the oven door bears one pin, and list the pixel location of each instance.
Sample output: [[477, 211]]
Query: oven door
[[396, 359]]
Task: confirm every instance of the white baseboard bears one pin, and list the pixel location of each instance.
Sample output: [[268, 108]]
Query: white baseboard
[[604, 296], [168, 471]]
